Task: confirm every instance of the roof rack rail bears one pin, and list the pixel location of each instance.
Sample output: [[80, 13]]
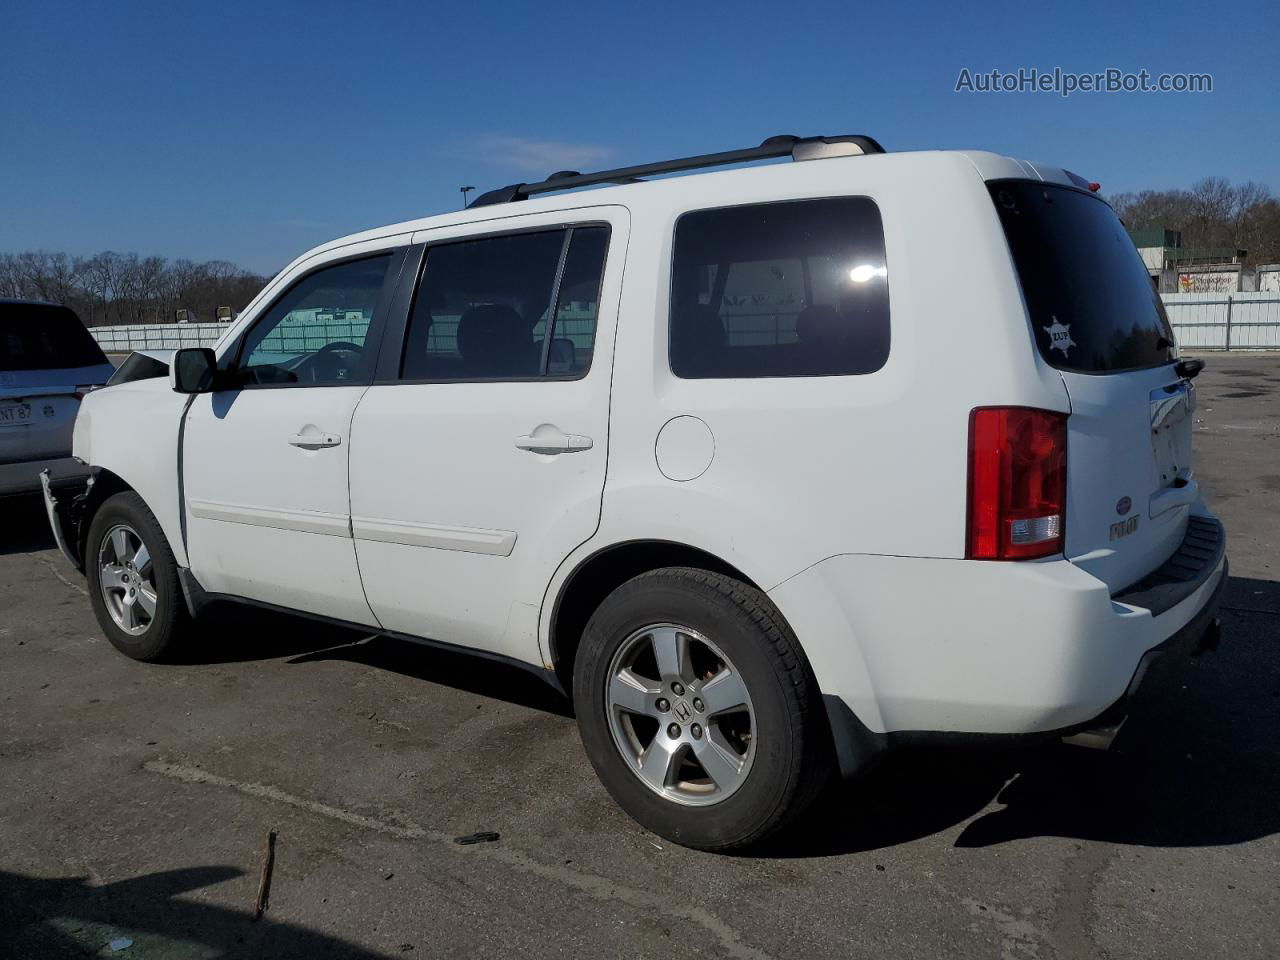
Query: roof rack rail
[[798, 148]]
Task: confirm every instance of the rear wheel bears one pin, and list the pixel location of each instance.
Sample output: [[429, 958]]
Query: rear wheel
[[698, 710], [133, 580]]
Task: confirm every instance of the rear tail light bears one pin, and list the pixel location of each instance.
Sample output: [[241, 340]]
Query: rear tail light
[[1017, 483]]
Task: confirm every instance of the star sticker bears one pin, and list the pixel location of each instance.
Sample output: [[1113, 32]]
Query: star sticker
[[1059, 336]]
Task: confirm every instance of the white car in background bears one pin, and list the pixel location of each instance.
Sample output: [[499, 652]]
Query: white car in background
[[48, 362], [770, 469]]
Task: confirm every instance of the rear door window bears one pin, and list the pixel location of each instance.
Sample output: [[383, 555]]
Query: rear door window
[[792, 289], [1092, 305], [573, 331], [483, 307], [36, 336]]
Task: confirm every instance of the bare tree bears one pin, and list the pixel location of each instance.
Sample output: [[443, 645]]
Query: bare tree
[[112, 288], [1213, 213]]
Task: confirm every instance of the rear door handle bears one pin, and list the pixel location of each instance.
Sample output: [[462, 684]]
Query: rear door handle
[[314, 441], [552, 443]]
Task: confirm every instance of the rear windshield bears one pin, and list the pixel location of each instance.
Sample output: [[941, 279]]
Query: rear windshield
[[36, 336], [1093, 306]]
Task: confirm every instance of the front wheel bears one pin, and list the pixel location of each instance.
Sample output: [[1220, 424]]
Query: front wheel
[[698, 709], [133, 580]]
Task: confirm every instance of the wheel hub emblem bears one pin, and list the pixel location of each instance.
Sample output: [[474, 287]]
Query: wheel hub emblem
[[682, 711]]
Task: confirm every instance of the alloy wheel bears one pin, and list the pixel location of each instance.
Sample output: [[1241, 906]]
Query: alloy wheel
[[680, 714], [127, 579]]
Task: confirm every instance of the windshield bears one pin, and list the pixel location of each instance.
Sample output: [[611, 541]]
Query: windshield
[[1092, 304], [37, 336]]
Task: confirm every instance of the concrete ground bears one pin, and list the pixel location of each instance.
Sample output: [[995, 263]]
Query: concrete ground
[[135, 800]]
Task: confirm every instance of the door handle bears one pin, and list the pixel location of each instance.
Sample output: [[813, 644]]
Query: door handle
[[554, 443], [314, 441]]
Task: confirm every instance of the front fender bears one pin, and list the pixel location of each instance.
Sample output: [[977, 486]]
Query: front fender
[[132, 432]]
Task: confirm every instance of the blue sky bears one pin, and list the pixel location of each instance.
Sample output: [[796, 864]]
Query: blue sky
[[249, 132]]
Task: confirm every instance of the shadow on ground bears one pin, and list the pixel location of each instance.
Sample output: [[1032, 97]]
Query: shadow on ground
[[26, 526], [233, 632], [65, 917], [1195, 765]]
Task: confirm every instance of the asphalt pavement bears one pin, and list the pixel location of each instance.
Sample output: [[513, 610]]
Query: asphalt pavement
[[135, 800]]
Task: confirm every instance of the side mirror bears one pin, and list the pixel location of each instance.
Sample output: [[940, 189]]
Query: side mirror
[[1188, 369], [193, 370]]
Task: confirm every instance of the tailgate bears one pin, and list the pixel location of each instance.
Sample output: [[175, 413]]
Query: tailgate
[[38, 409], [1097, 320], [36, 425], [1130, 486]]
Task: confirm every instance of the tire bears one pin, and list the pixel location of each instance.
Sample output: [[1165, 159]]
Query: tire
[[771, 773], [146, 618]]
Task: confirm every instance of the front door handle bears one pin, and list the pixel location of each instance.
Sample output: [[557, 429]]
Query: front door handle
[[314, 441], [553, 441]]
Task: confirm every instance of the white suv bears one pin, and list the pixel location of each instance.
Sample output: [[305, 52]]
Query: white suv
[[769, 468]]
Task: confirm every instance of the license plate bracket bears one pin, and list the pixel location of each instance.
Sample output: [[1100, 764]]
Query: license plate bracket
[[1171, 409]]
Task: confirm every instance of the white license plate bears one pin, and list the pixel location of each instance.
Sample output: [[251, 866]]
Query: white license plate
[[14, 414]]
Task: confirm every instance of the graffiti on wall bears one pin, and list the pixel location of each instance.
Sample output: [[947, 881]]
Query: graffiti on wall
[[1216, 281]]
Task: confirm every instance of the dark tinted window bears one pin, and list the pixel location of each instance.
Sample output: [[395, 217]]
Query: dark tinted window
[[482, 306], [315, 333], [37, 336], [795, 289], [1093, 307]]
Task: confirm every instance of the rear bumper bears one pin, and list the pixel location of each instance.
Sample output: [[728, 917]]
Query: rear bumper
[[66, 491], [24, 476], [1199, 635], [1202, 549], [1199, 564], [914, 648]]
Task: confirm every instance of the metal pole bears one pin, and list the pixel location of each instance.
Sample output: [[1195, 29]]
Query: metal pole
[[1228, 346]]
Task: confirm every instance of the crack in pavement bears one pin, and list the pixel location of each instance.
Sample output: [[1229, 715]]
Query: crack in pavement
[[1071, 930], [54, 570], [594, 886]]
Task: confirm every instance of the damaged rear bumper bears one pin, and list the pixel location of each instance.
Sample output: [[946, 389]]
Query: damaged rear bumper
[[65, 497]]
